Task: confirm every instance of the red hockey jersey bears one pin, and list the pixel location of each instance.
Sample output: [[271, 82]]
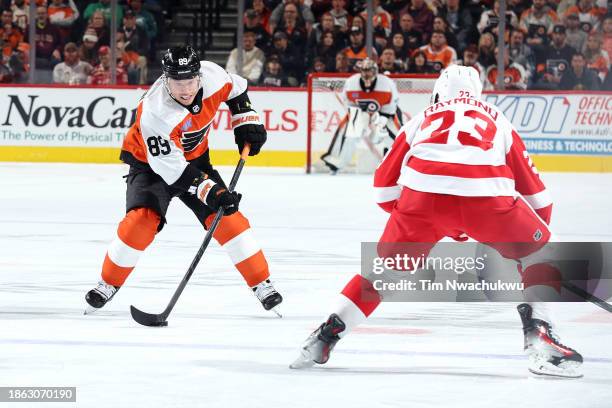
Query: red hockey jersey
[[463, 147]]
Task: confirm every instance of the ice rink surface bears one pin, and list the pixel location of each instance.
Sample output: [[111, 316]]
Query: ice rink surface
[[221, 349]]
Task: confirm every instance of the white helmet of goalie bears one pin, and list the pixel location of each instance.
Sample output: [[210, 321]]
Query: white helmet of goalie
[[368, 70], [457, 81]]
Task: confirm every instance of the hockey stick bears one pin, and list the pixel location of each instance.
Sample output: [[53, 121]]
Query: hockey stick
[[587, 296], [150, 319]]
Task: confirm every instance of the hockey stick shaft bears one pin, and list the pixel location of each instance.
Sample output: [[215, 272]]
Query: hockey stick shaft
[[148, 319], [587, 296]]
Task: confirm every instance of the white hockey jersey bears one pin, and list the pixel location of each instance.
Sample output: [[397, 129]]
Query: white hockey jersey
[[383, 98], [463, 147], [166, 135]]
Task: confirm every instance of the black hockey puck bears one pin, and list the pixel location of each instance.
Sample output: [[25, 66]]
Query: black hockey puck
[[160, 324]]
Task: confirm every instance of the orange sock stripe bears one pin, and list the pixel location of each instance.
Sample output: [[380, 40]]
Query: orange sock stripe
[[138, 228], [229, 227], [114, 274], [254, 269]]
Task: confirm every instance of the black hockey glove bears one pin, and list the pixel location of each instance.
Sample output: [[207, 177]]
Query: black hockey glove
[[253, 134], [216, 196]]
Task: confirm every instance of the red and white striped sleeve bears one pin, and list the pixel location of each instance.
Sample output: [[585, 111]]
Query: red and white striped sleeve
[[386, 188], [527, 180]]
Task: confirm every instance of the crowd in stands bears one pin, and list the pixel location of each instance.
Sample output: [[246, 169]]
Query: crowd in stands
[[72, 40], [548, 44]]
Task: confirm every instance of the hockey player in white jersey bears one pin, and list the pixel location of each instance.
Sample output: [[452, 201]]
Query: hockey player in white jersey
[[459, 169], [372, 117]]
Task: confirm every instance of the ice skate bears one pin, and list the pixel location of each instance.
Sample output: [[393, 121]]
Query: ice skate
[[547, 356], [320, 343], [268, 296], [99, 296]]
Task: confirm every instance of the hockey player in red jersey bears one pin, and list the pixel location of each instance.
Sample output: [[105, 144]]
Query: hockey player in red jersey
[[459, 169], [167, 150]]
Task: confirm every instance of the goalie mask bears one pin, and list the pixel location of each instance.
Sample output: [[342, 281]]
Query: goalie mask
[[457, 81], [369, 71]]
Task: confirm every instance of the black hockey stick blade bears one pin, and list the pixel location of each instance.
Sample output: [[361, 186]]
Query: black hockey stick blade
[[148, 319]]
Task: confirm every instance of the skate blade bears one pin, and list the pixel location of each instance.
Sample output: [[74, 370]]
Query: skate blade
[[303, 361], [90, 310], [276, 312], [564, 370]]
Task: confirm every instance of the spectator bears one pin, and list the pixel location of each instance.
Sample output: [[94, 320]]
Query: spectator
[[419, 64], [460, 22], [412, 37], [553, 60], [520, 52], [20, 14], [302, 13], [88, 51], [326, 50], [47, 41], [134, 63], [105, 7], [63, 14], [381, 20], [252, 22], [101, 74], [325, 24], [438, 53], [489, 20], [342, 19], [97, 23], [6, 75], [72, 71], [470, 59], [575, 36], [252, 59], [135, 47], [319, 66], [356, 51], [320, 7], [518, 6], [589, 15], [607, 35], [264, 14], [388, 62], [290, 59], [515, 76], [597, 59], [19, 63], [342, 63], [273, 76], [292, 27], [10, 34], [398, 43], [579, 77], [439, 24], [607, 84], [486, 50], [422, 16], [144, 19], [537, 22]]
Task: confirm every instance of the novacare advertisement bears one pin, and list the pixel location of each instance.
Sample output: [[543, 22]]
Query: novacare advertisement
[[565, 132]]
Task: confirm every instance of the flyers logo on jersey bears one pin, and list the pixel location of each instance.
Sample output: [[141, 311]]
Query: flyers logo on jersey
[[368, 105], [191, 140]]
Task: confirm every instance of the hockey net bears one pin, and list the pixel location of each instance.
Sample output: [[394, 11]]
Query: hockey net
[[326, 113]]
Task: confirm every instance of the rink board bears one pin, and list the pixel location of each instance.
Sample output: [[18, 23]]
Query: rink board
[[564, 131]]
